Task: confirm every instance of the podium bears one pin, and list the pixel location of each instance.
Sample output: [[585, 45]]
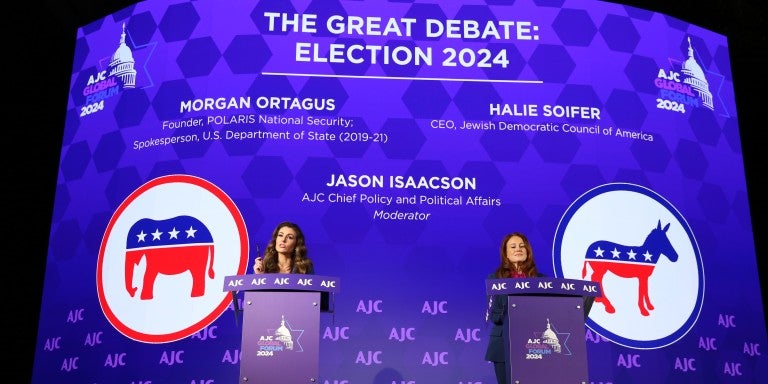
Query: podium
[[544, 336], [281, 325]]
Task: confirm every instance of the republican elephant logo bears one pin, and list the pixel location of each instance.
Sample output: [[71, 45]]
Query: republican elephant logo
[[629, 261], [169, 247]]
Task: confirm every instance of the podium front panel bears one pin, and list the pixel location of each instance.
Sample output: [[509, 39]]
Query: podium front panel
[[280, 338], [545, 340]]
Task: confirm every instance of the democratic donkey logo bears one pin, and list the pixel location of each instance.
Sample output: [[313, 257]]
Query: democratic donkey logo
[[628, 261], [164, 256], [170, 247], [641, 251]]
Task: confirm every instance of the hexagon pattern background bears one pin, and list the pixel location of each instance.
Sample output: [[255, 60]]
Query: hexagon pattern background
[[404, 120]]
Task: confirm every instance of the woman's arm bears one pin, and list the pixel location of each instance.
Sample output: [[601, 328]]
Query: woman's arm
[[498, 309]]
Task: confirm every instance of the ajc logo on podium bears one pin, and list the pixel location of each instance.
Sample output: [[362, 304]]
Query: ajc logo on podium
[[282, 339]]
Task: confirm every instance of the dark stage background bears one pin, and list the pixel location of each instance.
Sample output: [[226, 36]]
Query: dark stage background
[[42, 38]]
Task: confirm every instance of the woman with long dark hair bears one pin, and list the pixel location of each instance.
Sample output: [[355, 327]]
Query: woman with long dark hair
[[286, 252]]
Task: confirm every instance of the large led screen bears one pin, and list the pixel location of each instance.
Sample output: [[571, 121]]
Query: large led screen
[[406, 139]]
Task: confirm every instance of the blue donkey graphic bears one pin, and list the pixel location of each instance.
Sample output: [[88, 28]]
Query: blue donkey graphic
[[629, 261]]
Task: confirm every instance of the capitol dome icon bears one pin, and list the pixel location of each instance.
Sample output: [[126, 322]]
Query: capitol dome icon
[[550, 338], [121, 65], [694, 76], [283, 334]]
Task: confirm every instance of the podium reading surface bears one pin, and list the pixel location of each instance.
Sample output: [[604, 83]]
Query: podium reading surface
[[544, 341], [281, 325]]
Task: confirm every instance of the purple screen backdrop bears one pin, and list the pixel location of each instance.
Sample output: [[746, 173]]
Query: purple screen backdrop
[[406, 139]]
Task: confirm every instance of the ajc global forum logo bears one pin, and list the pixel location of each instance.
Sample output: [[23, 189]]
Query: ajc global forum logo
[[683, 86], [110, 78], [282, 339]]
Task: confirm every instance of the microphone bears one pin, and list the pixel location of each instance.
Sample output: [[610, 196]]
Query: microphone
[[236, 307], [235, 304]]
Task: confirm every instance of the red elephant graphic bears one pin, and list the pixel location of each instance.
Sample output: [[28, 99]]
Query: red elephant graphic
[[169, 247]]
